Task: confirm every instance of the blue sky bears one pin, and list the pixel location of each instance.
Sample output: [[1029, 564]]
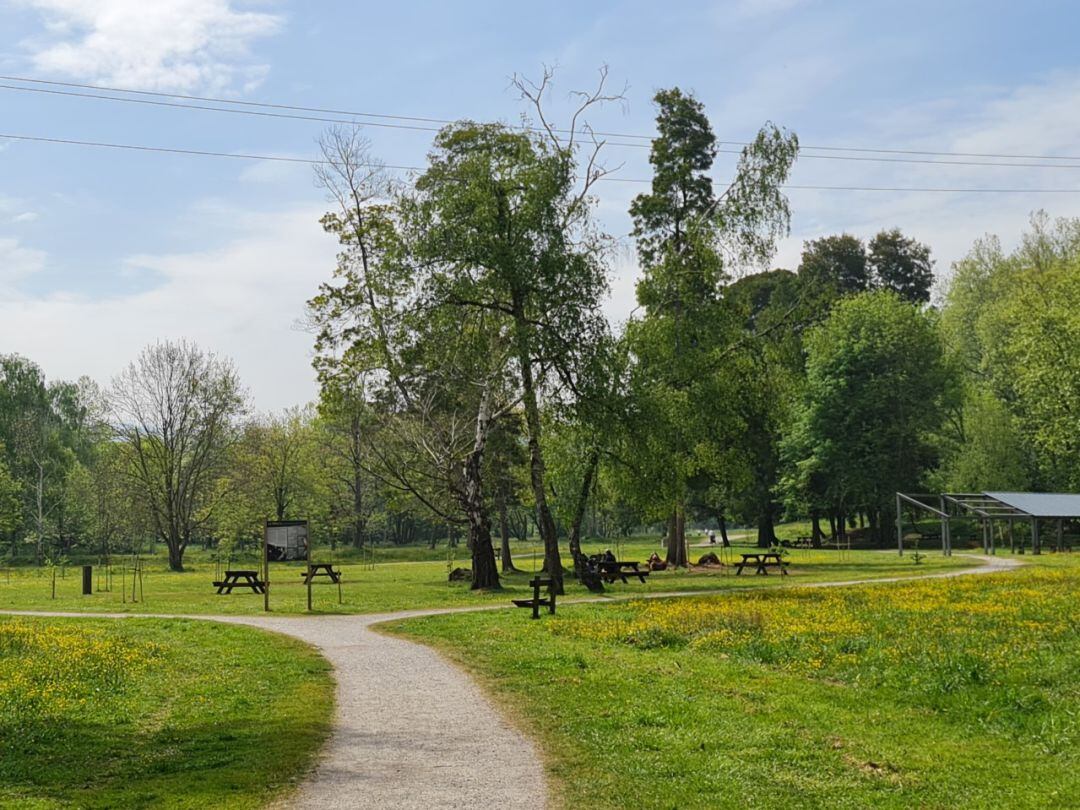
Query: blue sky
[[102, 252]]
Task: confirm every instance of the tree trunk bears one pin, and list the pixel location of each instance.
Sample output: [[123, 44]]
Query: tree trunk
[[544, 520], [722, 521], [39, 534], [176, 555], [766, 530], [485, 574], [504, 532], [676, 540], [815, 529], [579, 512]]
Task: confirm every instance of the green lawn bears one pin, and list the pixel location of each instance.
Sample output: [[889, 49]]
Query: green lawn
[[149, 713], [410, 584], [939, 694]]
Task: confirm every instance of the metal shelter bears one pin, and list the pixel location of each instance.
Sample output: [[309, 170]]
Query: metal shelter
[[990, 507]]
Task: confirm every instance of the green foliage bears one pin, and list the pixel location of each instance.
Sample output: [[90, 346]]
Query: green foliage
[[1013, 326], [902, 265], [10, 502], [834, 266], [683, 425], [875, 379]]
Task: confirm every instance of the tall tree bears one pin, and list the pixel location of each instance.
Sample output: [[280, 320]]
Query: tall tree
[[504, 217], [398, 327], [175, 407], [901, 264], [684, 233], [875, 379], [776, 310], [834, 266], [41, 425]]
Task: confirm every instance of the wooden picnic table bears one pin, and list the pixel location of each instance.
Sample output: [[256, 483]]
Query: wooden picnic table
[[611, 570], [320, 570], [250, 579], [761, 561]]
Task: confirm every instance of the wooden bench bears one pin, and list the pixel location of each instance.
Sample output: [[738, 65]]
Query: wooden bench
[[537, 602], [240, 579], [762, 562], [320, 570]]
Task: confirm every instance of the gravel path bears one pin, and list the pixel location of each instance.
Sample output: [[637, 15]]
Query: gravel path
[[413, 731]]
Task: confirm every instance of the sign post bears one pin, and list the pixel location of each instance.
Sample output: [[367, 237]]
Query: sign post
[[284, 541], [308, 577], [266, 567]]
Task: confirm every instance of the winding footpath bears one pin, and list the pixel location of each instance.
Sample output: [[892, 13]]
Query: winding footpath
[[413, 731]]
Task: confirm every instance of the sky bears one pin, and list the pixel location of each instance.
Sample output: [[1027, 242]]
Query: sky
[[105, 251]]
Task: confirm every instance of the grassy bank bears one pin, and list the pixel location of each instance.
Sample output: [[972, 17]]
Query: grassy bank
[[144, 713], [941, 693]]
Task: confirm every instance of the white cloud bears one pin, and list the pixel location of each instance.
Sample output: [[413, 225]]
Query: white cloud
[[242, 300], [25, 216], [151, 44], [16, 263]]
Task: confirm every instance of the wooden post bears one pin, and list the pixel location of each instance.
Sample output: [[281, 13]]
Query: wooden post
[[1060, 535], [1036, 545], [1012, 539], [266, 568], [899, 528]]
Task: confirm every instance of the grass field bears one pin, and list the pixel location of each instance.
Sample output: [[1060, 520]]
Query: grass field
[[146, 713], [942, 693], [408, 584]]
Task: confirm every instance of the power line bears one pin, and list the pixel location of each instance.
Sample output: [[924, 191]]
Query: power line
[[443, 121], [316, 162], [417, 127]]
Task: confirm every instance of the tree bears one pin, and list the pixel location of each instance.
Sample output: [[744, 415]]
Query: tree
[[1012, 330], [875, 378], [400, 327], [10, 504], [902, 265], [683, 347], [505, 217], [41, 425], [775, 310], [176, 408], [834, 266], [347, 425]]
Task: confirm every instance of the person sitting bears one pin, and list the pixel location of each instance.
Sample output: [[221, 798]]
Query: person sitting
[[608, 556], [655, 563]]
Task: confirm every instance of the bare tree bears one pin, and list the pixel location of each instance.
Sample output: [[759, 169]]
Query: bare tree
[[176, 408]]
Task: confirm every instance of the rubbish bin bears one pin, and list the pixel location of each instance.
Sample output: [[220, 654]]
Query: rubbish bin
[[87, 580]]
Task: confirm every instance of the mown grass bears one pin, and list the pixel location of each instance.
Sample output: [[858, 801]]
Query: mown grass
[[940, 693], [407, 585], [147, 713]]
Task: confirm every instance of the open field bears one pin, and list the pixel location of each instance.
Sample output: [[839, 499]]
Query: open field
[[944, 693], [413, 584], [147, 713]]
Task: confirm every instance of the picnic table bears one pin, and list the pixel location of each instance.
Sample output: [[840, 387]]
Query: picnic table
[[320, 570], [611, 570], [241, 579], [761, 561]]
